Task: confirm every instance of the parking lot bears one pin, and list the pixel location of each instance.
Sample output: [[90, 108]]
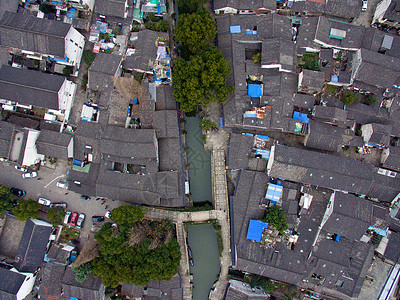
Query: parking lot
[[45, 186]]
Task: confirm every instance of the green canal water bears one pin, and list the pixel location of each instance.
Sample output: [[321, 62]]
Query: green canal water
[[201, 238]]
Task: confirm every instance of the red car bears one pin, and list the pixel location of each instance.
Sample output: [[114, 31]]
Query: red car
[[74, 218]]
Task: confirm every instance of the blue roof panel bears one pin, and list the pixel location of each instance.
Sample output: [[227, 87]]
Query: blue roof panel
[[235, 29], [255, 230], [301, 117], [255, 90]]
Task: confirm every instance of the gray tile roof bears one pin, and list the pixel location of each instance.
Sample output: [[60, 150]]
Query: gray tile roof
[[115, 8], [165, 123], [352, 40], [6, 138], [279, 51], [29, 33], [50, 285], [239, 148], [311, 80], [29, 87], [8, 5], [53, 144], [90, 289], [392, 251], [102, 70], [376, 69], [333, 115], [9, 287], [343, 8], [253, 5], [392, 13], [164, 98], [393, 160], [32, 246], [146, 49]]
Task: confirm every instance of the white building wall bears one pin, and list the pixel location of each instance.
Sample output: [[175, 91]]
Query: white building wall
[[31, 156], [26, 286], [380, 10], [74, 45], [66, 96], [70, 149]]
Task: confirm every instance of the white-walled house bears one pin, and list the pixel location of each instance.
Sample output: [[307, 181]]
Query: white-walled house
[[41, 39], [18, 284], [33, 89]]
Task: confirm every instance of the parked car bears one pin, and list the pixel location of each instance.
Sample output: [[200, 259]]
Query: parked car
[[84, 197], [98, 219], [364, 5], [81, 218], [22, 169], [29, 175], [62, 205], [108, 214], [44, 202], [66, 217], [74, 218], [62, 184], [17, 192]]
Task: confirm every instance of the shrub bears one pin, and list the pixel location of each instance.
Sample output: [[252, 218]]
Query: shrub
[[349, 98], [276, 218], [82, 272], [88, 57], [67, 71], [55, 215], [371, 99], [257, 57]]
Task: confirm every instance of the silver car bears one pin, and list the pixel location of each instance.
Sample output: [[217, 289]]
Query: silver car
[[29, 175], [81, 218]]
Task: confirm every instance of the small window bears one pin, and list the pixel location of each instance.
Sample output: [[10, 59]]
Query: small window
[[71, 40]]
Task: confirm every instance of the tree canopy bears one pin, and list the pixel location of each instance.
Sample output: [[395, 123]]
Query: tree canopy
[[349, 98], [6, 199], [26, 209], [201, 80], [276, 218], [127, 214], [195, 31], [136, 253], [82, 272], [55, 215]]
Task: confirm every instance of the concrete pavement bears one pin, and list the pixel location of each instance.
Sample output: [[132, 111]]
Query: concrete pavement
[[46, 188]]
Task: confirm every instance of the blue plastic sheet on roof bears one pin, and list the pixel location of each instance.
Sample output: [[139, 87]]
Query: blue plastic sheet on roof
[[337, 239], [235, 29], [254, 233], [301, 117], [264, 153], [71, 12], [251, 32], [73, 298], [263, 137], [274, 192], [255, 90], [335, 78], [221, 122], [250, 114], [249, 134]]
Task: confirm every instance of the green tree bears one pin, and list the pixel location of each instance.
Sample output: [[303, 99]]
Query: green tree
[[206, 124], [196, 31], [276, 218], [189, 6], [119, 261], [370, 99], [257, 57], [349, 98], [82, 272], [202, 80], [88, 57], [45, 8], [310, 62], [26, 209], [6, 199], [67, 71], [162, 25], [55, 215], [127, 214]]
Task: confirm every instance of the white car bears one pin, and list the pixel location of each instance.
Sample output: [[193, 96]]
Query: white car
[[66, 217], [62, 184], [22, 169], [81, 218], [364, 5], [29, 175], [44, 202]]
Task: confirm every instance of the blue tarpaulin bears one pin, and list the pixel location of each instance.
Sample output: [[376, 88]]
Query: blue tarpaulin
[[274, 192], [301, 117], [235, 29], [58, 59], [251, 32], [335, 78], [249, 134], [255, 230], [250, 114], [71, 12], [264, 153], [221, 122], [255, 90], [263, 137], [337, 239]]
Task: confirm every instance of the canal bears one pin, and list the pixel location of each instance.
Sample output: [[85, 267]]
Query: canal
[[201, 238]]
